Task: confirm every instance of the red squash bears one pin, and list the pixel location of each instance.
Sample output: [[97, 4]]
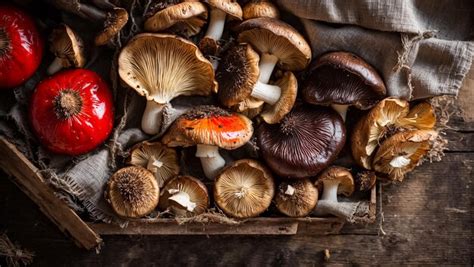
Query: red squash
[[72, 112], [21, 47]]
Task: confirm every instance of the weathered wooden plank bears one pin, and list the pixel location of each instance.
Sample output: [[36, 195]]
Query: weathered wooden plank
[[31, 182]]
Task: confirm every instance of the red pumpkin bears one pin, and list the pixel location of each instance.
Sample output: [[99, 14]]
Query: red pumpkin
[[72, 112], [21, 47]]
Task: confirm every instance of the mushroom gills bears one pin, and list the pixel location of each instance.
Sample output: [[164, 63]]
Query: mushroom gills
[[152, 117], [216, 24], [183, 199], [154, 164], [262, 90], [211, 161]]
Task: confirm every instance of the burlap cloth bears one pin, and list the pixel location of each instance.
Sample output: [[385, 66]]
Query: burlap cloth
[[421, 48]]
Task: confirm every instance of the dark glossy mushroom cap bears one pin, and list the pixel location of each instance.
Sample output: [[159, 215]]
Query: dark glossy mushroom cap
[[343, 78], [305, 142]]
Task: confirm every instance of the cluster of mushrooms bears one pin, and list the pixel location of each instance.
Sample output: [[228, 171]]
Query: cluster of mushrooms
[[298, 125]]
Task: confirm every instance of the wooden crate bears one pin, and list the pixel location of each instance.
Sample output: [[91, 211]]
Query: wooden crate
[[88, 234]]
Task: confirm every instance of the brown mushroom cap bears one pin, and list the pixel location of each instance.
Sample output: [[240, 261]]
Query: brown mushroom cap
[[289, 89], [230, 7], [237, 74], [338, 174], [193, 190], [275, 37], [162, 67], [244, 189], [402, 152], [296, 198], [186, 18], [421, 116], [260, 8], [132, 192], [343, 78], [115, 21], [365, 180], [161, 160], [209, 125], [68, 46], [250, 107]]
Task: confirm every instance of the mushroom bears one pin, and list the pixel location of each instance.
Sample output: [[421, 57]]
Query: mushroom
[[365, 180], [186, 18], [335, 181], [209, 128], [68, 48], [289, 88], [132, 192], [259, 9], [184, 196], [296, 198], [402, 152], [277, 43], [161, 160], [342, 79], [305, 142], [162, 67], [421, 116], [244, 189], [115, 20]]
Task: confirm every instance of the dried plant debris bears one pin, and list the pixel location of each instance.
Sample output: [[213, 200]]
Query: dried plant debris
[[14, 255]]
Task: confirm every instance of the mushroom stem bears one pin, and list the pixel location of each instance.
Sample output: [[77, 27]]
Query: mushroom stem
[[152, 117], [330, 190], [216, 24], [55, 66], [341, 109], [266, 92], [266, 66], [211, 161], [290, 190], [183, 199]]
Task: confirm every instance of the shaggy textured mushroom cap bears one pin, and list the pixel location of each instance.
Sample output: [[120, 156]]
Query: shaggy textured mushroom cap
[[365, 180], [237, 74], [68, 46], [343, 78], [259, 9], [289, 89], [275, 37], [244, 189], [161, 160], [305, 142], [338, 174], [402, 152], [296, 198], [184, 196], [132, 192], [116, 20], [209, 125], [163, 66], [186, 18], [230, 7]]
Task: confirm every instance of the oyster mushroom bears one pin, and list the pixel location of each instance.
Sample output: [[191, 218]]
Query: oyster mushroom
[[402, 152], [342, 79], [209, 128], [259, 9], [277, 43], [305, 142], [184, 196], [244, 189], [132, 192], [162, 67], [68, 48], [296, 198], [161, 160], [186, 18]]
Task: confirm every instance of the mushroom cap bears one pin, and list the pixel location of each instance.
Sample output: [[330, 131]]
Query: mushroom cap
[[365, 180], [230, 7], [163, 66], [237, 74], [193, 187], [306, 141], [67, 45], [132, 192], [244, 189], [275, 37], [372, 127], [249, 107], [346, 181], [289, 89], [301, 202], [209, 125], [422, 117], [260, 8], [343, 78], [402, 152], [115, 21], [186, 18], [161, 160]]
